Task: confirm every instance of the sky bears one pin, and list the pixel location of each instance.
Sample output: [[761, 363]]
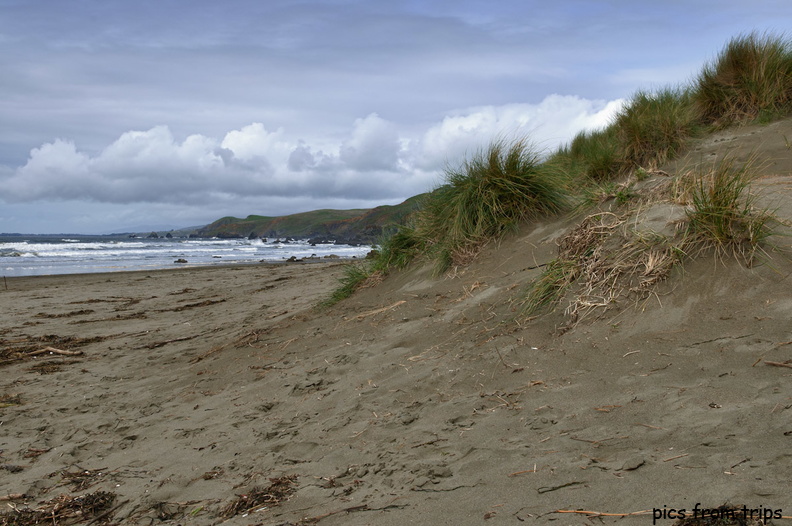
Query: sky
[[120, 115]]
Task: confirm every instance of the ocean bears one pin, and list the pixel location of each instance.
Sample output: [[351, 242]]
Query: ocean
[[40, 255]]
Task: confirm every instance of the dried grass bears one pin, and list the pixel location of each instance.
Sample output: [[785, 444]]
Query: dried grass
[[65, 510], [279, 490], [607, 261]]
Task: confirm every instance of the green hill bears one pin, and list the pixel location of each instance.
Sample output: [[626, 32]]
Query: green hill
[[357, 225]]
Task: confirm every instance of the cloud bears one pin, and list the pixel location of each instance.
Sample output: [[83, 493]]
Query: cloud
[[374, 145], [255, 142], [549, 124], [374, 160]]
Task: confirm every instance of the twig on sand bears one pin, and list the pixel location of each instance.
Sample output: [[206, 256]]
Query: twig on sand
[[522, 472], [779, 364], [272, 316], [501, 357], [561, 486], [12, 496], [351, 509], [377, 311], [53, 350], [216, 348], [287, 343], [166, 342], [650, 427], [604, 514]]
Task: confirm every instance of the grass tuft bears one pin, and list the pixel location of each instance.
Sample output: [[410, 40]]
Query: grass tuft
[[596, 153], [550, 286], [750, 79], [395, 252], [355, 274], [722, 214], [486, 195], [399, 250], [654, 127]]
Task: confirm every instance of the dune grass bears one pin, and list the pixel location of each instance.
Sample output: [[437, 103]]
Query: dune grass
[[395, 251], [508, 182], [723, 214], [594, 154], [355, 274], [492, 191], [607, 258], [750, 79], [654, 127], [545, 292], [398, 250]]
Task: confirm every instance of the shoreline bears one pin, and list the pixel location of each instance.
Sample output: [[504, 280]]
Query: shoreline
[[182, 267]]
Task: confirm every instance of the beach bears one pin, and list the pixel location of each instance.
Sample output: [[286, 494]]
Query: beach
[[226, 395], [193, 387]]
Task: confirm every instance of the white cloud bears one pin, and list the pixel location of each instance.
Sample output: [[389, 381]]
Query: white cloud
[[254, 141], [373, 145], [48, 172], [548, 124], [252, 164]]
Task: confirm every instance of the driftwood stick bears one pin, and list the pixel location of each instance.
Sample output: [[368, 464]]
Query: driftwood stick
[[779, 364], [12, 496], [377, 311], [174, 340], [53, 350]]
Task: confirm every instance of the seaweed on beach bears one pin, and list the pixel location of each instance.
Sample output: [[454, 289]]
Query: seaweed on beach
[[20, 349], [47, 367], [279, 490], [81, 312], [65, 510], [8, 400], [205, 303], [81, 479]]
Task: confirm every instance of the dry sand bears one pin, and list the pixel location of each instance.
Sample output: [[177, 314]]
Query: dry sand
[[418, 401]]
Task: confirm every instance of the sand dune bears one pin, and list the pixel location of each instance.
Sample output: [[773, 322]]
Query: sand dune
[[222, 396]]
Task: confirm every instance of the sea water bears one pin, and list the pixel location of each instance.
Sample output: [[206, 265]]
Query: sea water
[[73, 254]]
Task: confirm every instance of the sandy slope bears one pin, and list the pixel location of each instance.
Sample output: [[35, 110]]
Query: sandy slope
[[419, 401]]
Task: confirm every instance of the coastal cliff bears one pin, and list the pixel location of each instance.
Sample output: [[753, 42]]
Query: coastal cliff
[[358, 225]]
